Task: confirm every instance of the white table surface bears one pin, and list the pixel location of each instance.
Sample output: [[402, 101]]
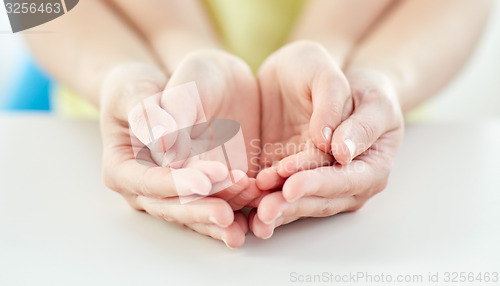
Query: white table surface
[[59, 225]]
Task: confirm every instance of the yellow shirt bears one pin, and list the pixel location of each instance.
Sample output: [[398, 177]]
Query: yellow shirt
[[250, 29]]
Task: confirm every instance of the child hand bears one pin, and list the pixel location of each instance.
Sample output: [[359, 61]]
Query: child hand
[[151, 188], [375, 129]]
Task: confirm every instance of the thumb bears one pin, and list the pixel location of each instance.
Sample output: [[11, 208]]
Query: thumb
[[332, 103], [376, 112], [359, 132]]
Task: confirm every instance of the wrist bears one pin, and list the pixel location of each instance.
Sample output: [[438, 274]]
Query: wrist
[[374, 81], [212, 62], [337, 47], [173, 45], [399, 73]]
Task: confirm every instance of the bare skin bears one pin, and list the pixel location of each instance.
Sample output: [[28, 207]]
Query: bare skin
[[341, 85]]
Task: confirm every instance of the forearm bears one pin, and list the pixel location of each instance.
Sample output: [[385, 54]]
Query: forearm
[[422, 44], [173, 28], [84, 45], [339, 24]]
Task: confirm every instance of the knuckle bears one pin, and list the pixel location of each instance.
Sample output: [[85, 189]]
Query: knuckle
[[348, 186], [362, 94], [367, 129], [328, 209], [164, 214], [337, 111]]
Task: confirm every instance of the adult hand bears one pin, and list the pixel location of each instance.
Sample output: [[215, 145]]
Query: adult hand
[[315, 184], [305, 96]]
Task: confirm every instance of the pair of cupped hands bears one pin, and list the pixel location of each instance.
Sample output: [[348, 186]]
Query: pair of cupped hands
[[326, 139]]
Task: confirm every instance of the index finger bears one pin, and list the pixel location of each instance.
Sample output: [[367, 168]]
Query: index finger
[[274, 177], [336, 181]]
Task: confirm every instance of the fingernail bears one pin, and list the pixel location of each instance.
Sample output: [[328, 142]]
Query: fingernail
[[198, 192], [274, 219], [296, 198], [213, 220], [158, 131], [281, 169], [327, 133], [168, 158], [269, 236], [224, 240], [350, 145]]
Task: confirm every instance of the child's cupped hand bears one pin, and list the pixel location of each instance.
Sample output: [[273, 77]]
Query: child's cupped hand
[[131, 91], [329, 141]]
